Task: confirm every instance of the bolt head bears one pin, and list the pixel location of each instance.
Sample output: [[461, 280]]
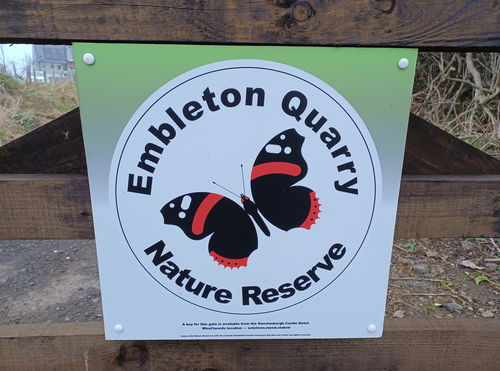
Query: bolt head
[[88, 58], [372, 328], [119, 328], [403, 63]]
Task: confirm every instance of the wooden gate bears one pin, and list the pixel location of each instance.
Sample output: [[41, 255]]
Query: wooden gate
[[449, 189]]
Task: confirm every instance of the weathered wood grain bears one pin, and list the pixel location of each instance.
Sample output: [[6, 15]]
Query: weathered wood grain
[[54, 148], [45, 206], [58, 206], [411, 23], [449, 206], [405, 345], [430, 150]]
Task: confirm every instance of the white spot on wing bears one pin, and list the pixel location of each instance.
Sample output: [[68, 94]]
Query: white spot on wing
[[186, 202], [273, 148]]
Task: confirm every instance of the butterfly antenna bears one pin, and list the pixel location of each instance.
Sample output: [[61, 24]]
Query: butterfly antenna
[[243, 180], [226, 189]]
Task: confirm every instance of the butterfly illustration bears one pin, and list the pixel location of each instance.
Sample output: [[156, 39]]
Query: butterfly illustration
[[278, 166]]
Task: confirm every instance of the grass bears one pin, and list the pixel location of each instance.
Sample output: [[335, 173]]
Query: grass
[[24, 107]]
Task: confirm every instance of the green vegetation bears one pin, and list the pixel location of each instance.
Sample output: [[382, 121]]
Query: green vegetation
[[445, 283], [25, 121], [485, 278], [412, 247], [24, 107]]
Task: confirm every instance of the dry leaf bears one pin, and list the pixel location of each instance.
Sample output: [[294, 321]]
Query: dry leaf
[[471, 265]]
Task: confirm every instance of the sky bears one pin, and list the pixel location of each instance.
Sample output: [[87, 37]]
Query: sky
[[15, 53]]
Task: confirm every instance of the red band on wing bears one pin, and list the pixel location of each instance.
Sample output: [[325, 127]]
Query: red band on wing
[[275, 168], [226, 262], [313, 212], [203, 210]]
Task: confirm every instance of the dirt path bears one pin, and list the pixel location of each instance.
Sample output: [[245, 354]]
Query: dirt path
[[49, 281], [444, 278], [57, 281]]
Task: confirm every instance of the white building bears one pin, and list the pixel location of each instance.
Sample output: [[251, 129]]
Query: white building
[[52, 63]]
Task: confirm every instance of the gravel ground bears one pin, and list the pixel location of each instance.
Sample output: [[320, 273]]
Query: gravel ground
[[48, 281], [444, 278]]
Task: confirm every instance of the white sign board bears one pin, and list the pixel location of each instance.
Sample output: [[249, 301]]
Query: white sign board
[[243, 199]]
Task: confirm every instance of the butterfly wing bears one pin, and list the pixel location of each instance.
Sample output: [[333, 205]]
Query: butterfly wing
[[232, 234], [278, 166]]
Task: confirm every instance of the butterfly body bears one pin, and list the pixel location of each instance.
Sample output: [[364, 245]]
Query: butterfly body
[[233, 237], [252, 210]]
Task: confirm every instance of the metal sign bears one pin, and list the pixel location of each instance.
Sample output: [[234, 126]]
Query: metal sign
[[243, 194]]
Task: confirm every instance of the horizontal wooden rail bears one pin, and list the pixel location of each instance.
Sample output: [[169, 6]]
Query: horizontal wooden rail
[[405, 345], [430, 24], [449, 206], [45, 206]]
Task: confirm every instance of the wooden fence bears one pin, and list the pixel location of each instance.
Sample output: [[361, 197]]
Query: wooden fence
[[449, 189]]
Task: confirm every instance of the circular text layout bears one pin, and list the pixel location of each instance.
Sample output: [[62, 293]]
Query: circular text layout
[[245, 186]]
